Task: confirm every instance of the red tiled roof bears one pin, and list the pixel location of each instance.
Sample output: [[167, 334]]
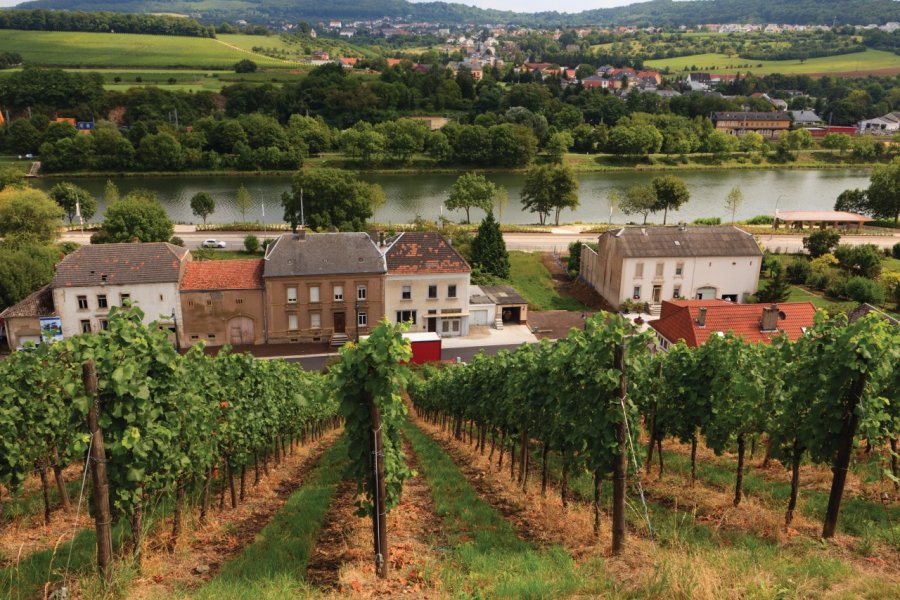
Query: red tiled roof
[[239, 274], [424, 252], [678, 320]]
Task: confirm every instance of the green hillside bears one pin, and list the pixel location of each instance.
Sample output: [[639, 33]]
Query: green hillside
[[75, 49], [858, 63]]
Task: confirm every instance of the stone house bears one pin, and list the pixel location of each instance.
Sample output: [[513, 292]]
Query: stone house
[[22, 321]]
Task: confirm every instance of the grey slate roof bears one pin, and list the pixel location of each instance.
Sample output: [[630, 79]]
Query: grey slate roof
[[323, 254], [503, 295], [751, 116], [638, 242], [121, 264], [805, 116], [37, 304]]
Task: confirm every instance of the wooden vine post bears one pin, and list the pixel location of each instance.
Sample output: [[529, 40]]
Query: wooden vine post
[[620, 466], [379, 509], [100, 485]]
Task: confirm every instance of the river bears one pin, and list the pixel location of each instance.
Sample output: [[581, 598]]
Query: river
[[409, 195]]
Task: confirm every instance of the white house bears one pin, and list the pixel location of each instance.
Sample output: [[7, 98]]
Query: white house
[[652, 264], [93, 279], [889, 123], [427, 284]]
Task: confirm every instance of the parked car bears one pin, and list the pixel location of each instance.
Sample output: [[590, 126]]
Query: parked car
[[213, 244]]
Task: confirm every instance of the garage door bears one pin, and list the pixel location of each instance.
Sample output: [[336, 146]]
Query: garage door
[[480, 317]]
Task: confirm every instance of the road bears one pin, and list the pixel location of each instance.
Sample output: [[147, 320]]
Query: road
[[544, 242], [315, 363]]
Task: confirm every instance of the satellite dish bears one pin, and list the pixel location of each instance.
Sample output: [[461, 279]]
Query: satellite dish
[[781, 315]]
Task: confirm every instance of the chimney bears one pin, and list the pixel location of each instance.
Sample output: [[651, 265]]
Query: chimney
[[701, 317], [769, 320], [381, 239]]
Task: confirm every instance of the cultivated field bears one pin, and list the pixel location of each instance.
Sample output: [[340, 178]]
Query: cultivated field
[[73, 49], [860, 63]]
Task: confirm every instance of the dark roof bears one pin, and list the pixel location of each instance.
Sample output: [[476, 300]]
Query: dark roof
[[36, 304], [752, 116], [639, 242], [424, 252], [239, 274], [861, 311], [503, 295], [323, 254], [121, 264]]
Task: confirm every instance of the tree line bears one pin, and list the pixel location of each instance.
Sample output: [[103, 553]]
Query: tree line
[[102, 22]]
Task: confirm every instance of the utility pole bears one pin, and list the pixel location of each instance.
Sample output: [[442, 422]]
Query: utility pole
[[620, 467], [99, 483], [379, 510]]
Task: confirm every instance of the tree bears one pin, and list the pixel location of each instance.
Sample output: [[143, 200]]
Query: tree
[[251, 244], [637, 140], [733, 201], [854, 201], [864, 260], [779, 287], [161, 152], [472, 191], [203, 205], [28, 216], [837, 141], [110, 193], [330, 198], [821, 242], [549, 188], [719, 142], [489, 250], [558, 145], [72, 199], [671, 192], [639, 199], [883, 195], [243, 201], [136, 217], [23, 270], [11, 177], [245, 66]]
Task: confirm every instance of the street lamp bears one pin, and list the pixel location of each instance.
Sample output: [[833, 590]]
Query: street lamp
[[356, 305]]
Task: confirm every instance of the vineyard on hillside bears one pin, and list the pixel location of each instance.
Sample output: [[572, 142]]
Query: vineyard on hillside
[[312, 483]]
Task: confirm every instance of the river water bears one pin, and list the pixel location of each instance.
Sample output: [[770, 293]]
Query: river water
[[423, 194]]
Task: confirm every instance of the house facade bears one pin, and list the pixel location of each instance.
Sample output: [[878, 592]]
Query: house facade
[[767, 124], [322, 287], [652, 264], [22, 321], [222, 302], [94, 278], [427, 284]]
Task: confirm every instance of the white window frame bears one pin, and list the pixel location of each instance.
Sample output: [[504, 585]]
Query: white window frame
[[315, 320], [452, 287], [362, 319], [293, 322], [314, 297], [102, 302], [406, 292], [292, 295], [637, 293], [361, 292], [83, 303], [338, 293]]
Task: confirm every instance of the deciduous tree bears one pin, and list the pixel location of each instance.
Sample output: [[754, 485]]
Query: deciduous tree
[[472, 190]]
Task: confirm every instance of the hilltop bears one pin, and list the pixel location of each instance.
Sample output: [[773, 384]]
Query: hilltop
[[655, 12]]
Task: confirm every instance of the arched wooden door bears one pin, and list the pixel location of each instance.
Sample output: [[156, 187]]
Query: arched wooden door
[[240, 331]]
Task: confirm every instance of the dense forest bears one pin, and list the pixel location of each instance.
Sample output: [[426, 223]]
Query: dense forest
[[656, 12], [101, 22]]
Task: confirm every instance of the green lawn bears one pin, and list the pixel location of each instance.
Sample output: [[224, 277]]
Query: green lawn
[[532, 279], [859, 62], [70, 49]]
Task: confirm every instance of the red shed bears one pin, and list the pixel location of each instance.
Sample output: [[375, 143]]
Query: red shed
[[426, 346]]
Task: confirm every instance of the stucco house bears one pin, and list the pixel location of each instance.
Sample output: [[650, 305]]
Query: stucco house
[[427, 284], [22, 321], [767, 124], [652, 264], [223, 302], [889, 123], [94, 278], [323, 287]]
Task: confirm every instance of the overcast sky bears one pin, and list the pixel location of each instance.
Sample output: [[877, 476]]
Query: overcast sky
[[543, 5]]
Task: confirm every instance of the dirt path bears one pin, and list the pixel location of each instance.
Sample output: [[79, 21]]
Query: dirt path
[[567, 287], [342, 562], [204, 549]]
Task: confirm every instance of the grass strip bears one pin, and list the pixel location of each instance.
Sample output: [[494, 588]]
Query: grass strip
[[531, 278], [274, 565], [485, 558]]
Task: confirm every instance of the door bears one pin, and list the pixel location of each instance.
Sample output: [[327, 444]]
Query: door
[[240, 331], [432, 323], [340, 322], [706, 293], [657, 294], [479, 317]]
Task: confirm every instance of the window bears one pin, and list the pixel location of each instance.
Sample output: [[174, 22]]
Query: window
[[432, 292], [104, 324], [450, 326], [676, 293], [451, 291], [292, 295], [637, 292], [639, 270], [362, 320], [338, 293], [292, 322], [82, 303], [406, 294], [360, 292], [679, 269], [315, 320], [123, 298], [406, 316], [195, 337], [85, 327], [238, 300], [659, 269], [313, 293], [101, 301], [211, 336]]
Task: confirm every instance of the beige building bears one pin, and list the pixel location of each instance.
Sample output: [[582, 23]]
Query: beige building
[[652, 264], [94, 278], [222, 302], [767, 124], [323, 287], [22, 321], [427, 284]]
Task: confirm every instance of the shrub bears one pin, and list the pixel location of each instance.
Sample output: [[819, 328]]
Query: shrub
[[863, 289], [864, 261], [251, 243], [824, 263], [760, 220], [821, 242], [895, 251], [819, 281], [799, 271], [176, 241], [245, 66], [708, 221]]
